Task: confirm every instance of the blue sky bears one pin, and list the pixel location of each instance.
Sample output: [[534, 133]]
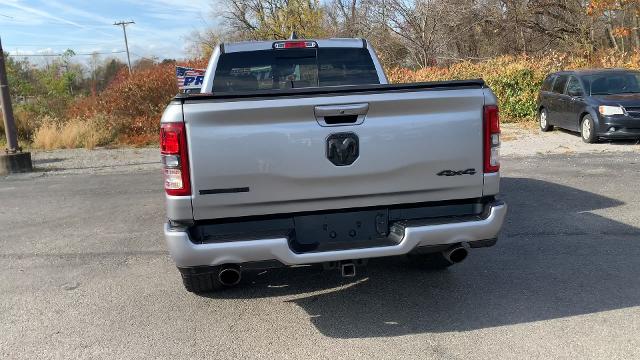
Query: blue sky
[[52, 26]]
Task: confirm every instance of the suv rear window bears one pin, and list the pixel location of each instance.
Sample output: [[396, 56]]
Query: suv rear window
[[548, 83], [293, 68], [559, 84]]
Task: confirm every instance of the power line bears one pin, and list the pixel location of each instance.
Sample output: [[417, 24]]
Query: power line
[[126, 44]]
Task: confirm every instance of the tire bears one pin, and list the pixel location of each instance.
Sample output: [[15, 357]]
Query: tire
[[543, 120], [588, 130], [432, 261], [201, 281]]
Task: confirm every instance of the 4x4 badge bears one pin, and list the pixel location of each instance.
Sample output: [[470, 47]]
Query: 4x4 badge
[[457, 173]]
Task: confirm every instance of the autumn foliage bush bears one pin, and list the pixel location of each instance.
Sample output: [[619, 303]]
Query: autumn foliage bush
[[134, 102], [516, 80]]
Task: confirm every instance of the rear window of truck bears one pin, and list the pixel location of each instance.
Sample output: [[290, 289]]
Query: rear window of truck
[[293, 68]]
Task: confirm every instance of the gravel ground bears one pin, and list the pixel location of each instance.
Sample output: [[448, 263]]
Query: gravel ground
[[98, 161], [519, 140]]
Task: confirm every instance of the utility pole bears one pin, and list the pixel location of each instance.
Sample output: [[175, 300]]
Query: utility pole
[[13, 160], [126, 44]]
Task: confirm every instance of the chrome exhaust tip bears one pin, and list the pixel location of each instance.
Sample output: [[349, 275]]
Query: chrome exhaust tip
[[456, 254], [230, 275]]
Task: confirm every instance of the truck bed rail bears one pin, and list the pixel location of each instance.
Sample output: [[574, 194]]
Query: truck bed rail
[[331, 91]]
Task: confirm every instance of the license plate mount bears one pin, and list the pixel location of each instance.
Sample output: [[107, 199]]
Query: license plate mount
[[340, 231]]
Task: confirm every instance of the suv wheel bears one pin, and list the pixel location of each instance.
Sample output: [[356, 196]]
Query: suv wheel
[[588, 130], [544, 121]]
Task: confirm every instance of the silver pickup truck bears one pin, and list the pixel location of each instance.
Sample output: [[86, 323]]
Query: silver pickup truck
[[300, 152]]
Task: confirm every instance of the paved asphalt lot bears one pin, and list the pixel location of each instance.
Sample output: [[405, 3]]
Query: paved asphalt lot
[[85, 274]]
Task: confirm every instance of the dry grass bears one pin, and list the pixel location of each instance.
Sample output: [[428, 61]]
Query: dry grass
[[75, 133], [142, 140], [47, 136]]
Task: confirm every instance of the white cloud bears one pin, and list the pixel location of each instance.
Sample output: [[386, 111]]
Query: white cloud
[[26, 52], [41, 14]]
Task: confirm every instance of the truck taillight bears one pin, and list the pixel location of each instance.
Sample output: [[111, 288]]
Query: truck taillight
[[175, 161], [491, 125]]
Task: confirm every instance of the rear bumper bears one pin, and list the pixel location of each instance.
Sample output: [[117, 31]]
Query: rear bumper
[[187, 254]]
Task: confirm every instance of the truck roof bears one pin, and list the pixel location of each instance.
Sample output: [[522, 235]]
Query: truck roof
[[267, 45]]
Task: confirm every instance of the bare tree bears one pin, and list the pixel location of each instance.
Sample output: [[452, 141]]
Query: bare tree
[[420, 33], [274, 19]]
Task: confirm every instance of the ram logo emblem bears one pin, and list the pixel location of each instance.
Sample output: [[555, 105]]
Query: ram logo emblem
[[343, 148]]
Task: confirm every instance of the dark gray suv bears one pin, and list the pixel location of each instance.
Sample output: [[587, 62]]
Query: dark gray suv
[[600, 104]]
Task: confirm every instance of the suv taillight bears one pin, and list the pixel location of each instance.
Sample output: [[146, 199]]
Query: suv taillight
[[491, 127], [175, 161]]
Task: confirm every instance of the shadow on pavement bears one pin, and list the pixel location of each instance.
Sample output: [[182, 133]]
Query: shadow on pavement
[[554, 259]]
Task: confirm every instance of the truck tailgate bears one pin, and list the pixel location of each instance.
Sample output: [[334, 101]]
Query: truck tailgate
[[268, 156]]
